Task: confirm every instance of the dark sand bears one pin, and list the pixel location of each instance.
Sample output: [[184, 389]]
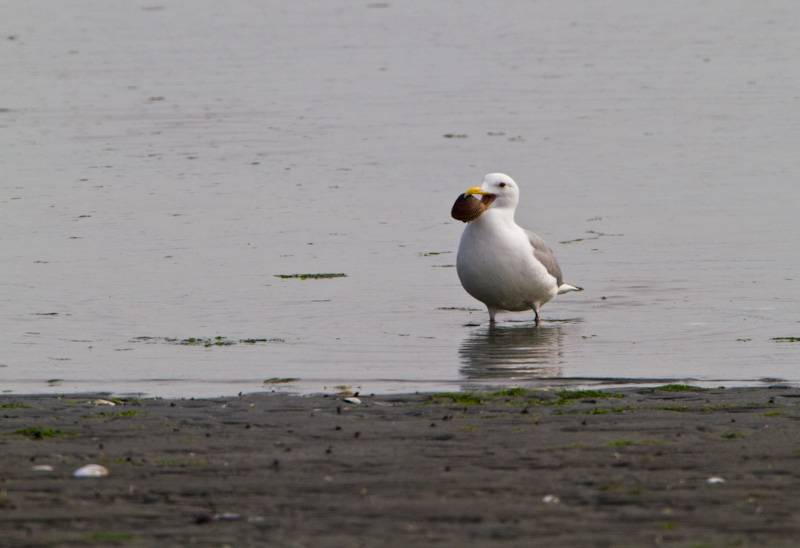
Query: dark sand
[[276, 470]]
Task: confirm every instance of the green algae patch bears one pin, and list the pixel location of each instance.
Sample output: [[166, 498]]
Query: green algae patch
[[621, 443], [461, 398], [128, 461], [312, 276], [511, 392], [510, 396], [680, 388], [628, 443], [216, 341], [190, 463], [673, 408], [206, 342], [39, 433], [118, 414], [521, 396]]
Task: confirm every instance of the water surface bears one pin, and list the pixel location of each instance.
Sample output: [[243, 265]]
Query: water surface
[[164, 162]]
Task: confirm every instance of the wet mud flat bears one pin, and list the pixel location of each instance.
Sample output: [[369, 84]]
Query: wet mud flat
[[673, 466]]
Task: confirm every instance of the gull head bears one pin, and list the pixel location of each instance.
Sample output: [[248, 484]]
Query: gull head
[[497, 191]]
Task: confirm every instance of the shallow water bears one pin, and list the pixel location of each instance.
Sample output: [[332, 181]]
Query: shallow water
[[164, 163]]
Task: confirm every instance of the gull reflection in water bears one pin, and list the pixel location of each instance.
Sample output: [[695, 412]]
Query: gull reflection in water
[[503, 352]]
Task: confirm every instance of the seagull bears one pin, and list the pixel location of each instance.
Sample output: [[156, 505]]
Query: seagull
[[500, 263]]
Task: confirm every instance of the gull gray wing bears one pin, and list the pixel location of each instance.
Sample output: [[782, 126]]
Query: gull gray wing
[[545, 256]]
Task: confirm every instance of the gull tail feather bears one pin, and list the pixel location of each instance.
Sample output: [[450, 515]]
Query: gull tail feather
[[566, 288]]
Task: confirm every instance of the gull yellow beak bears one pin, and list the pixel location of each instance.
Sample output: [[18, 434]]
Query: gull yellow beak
[[476, 190], [487, 199]]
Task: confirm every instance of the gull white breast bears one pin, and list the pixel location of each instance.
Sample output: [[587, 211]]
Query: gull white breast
[[500, 263]]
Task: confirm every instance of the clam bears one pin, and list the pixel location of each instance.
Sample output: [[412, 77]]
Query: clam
[[467, 208]]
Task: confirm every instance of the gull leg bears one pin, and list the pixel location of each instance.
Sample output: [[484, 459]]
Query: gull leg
[[492, 312], [535, 308]]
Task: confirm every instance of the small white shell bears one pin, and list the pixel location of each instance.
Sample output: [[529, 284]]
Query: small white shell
[[91, 471], [551, 499], [42, 468], [103, 402], [227, 516], [353, 400], [715, 479]]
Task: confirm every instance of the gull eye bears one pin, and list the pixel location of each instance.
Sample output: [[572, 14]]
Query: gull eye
[[501, 185]]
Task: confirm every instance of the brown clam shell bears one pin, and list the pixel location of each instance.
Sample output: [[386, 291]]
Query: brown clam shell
[[467, 208]]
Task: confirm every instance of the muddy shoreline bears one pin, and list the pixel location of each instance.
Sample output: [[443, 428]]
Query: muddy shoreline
[[684, 468]]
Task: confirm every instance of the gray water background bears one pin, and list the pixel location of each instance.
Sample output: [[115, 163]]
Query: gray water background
[[162, 162]]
